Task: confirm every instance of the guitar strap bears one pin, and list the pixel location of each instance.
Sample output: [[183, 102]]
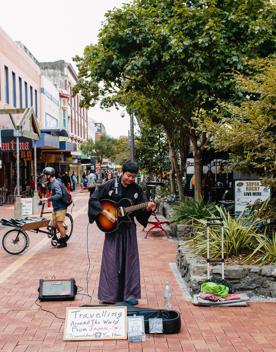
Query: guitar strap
[[118, 187], [116, 184]]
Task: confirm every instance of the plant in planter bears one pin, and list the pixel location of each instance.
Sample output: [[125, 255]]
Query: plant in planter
[[265, 252], [189, 211], [240, 236]]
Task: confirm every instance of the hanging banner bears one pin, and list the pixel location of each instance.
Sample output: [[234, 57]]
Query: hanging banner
[[247, 192]]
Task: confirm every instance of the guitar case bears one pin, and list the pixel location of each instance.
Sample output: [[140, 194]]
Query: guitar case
[[171, 318]]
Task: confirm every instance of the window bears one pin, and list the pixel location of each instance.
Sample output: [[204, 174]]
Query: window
[[31, 96], [65, 118], [7, 88], [26, 94], [36, 110], [14, 89], [20, 92]]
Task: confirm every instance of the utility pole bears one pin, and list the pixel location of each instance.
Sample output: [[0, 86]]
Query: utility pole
[[132, 151]]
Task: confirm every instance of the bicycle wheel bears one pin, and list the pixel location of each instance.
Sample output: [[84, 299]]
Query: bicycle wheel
[[15, 241], [68, 224]]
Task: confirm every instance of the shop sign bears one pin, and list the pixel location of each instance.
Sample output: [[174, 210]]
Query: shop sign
[[26, 155], [247, 192], [9, 145]]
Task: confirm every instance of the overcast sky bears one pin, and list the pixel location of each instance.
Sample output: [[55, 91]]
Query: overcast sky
[[60, 29]]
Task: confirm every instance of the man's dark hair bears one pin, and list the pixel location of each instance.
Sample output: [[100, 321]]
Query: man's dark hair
[[130, 166]]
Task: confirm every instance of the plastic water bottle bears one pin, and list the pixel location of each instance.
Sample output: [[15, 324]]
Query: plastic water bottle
[[167, 293]]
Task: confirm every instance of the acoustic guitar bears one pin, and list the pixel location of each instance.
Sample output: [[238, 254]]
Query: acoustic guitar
[[120, 210]]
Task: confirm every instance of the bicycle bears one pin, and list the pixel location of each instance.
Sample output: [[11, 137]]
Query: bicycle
[[16, 240]]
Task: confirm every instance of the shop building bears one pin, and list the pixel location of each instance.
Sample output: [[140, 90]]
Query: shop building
[[19, 88], [73, 118]]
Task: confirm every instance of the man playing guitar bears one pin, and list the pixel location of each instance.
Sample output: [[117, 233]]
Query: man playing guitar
[[120, 269]]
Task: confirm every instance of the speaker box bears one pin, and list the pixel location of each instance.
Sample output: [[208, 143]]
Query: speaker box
[[57, 289]]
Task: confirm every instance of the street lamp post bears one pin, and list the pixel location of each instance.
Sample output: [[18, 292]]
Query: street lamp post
[[131, 142], [17, 203]]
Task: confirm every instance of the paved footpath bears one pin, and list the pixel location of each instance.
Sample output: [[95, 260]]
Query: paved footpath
[[24, 327]]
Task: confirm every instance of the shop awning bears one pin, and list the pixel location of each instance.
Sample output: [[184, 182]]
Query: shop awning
[[22, 121], [67, 146], [47, 141], [55, 132]]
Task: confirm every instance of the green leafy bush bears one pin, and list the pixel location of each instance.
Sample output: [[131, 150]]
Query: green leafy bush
[[189, 211], [265, 252], [239, 236]]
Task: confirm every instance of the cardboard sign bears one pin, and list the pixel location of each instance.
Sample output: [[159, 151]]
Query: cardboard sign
[[155, 326], [95, 323], [27, 206]]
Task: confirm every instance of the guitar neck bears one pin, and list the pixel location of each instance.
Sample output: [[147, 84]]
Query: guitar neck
[[133, 208]]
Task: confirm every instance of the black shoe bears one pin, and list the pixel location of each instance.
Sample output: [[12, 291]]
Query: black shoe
[[132, 300], [63, 239], [62, 244]]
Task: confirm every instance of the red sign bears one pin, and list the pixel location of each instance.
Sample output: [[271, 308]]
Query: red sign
[[11, 146]]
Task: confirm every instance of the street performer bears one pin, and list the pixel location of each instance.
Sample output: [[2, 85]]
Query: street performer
[[120, 269]]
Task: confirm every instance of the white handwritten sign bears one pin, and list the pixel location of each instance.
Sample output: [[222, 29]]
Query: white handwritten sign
[[95, 323], [27, 206]]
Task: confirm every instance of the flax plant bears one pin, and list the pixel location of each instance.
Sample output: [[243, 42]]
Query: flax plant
[[239, 236]]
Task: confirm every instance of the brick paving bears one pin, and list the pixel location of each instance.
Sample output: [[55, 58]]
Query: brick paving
[[24, 327]]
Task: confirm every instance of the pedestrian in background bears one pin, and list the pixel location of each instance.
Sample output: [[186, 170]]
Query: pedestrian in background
[[84, 181], [91, 182], [59, 206], [74, 181]]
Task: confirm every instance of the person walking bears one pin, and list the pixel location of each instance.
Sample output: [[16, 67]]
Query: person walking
[[207, 185], [84, 181], [120, 268], [91, 182], [59, 207], [74, 181], [66, 180]]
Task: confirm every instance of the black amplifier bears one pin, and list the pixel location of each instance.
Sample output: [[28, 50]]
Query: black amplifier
[[57, 289]]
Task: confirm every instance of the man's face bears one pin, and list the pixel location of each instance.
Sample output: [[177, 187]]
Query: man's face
[[128, 178], [46, 178]]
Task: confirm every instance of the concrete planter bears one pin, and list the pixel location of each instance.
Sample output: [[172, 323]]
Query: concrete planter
[[254, 280]]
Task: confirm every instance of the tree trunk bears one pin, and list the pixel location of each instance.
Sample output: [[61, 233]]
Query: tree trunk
[[198, 175], [175, 166], [184, 147], [172, 182], [198, 145]]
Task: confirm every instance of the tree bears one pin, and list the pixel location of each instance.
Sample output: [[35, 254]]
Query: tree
[[120, 150], [179, 55], [248, 130], [102, 148], [152, 151]]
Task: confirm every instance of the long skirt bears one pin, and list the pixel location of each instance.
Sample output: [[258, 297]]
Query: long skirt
[[120, 269]]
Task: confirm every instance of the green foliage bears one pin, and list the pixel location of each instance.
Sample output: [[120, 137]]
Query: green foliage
[[152, 151], [168, 61], [190, 210], [102, 148], [88, 147], [162, 191], [247, 130], [239, 236], [120, 150], [265, 251]]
